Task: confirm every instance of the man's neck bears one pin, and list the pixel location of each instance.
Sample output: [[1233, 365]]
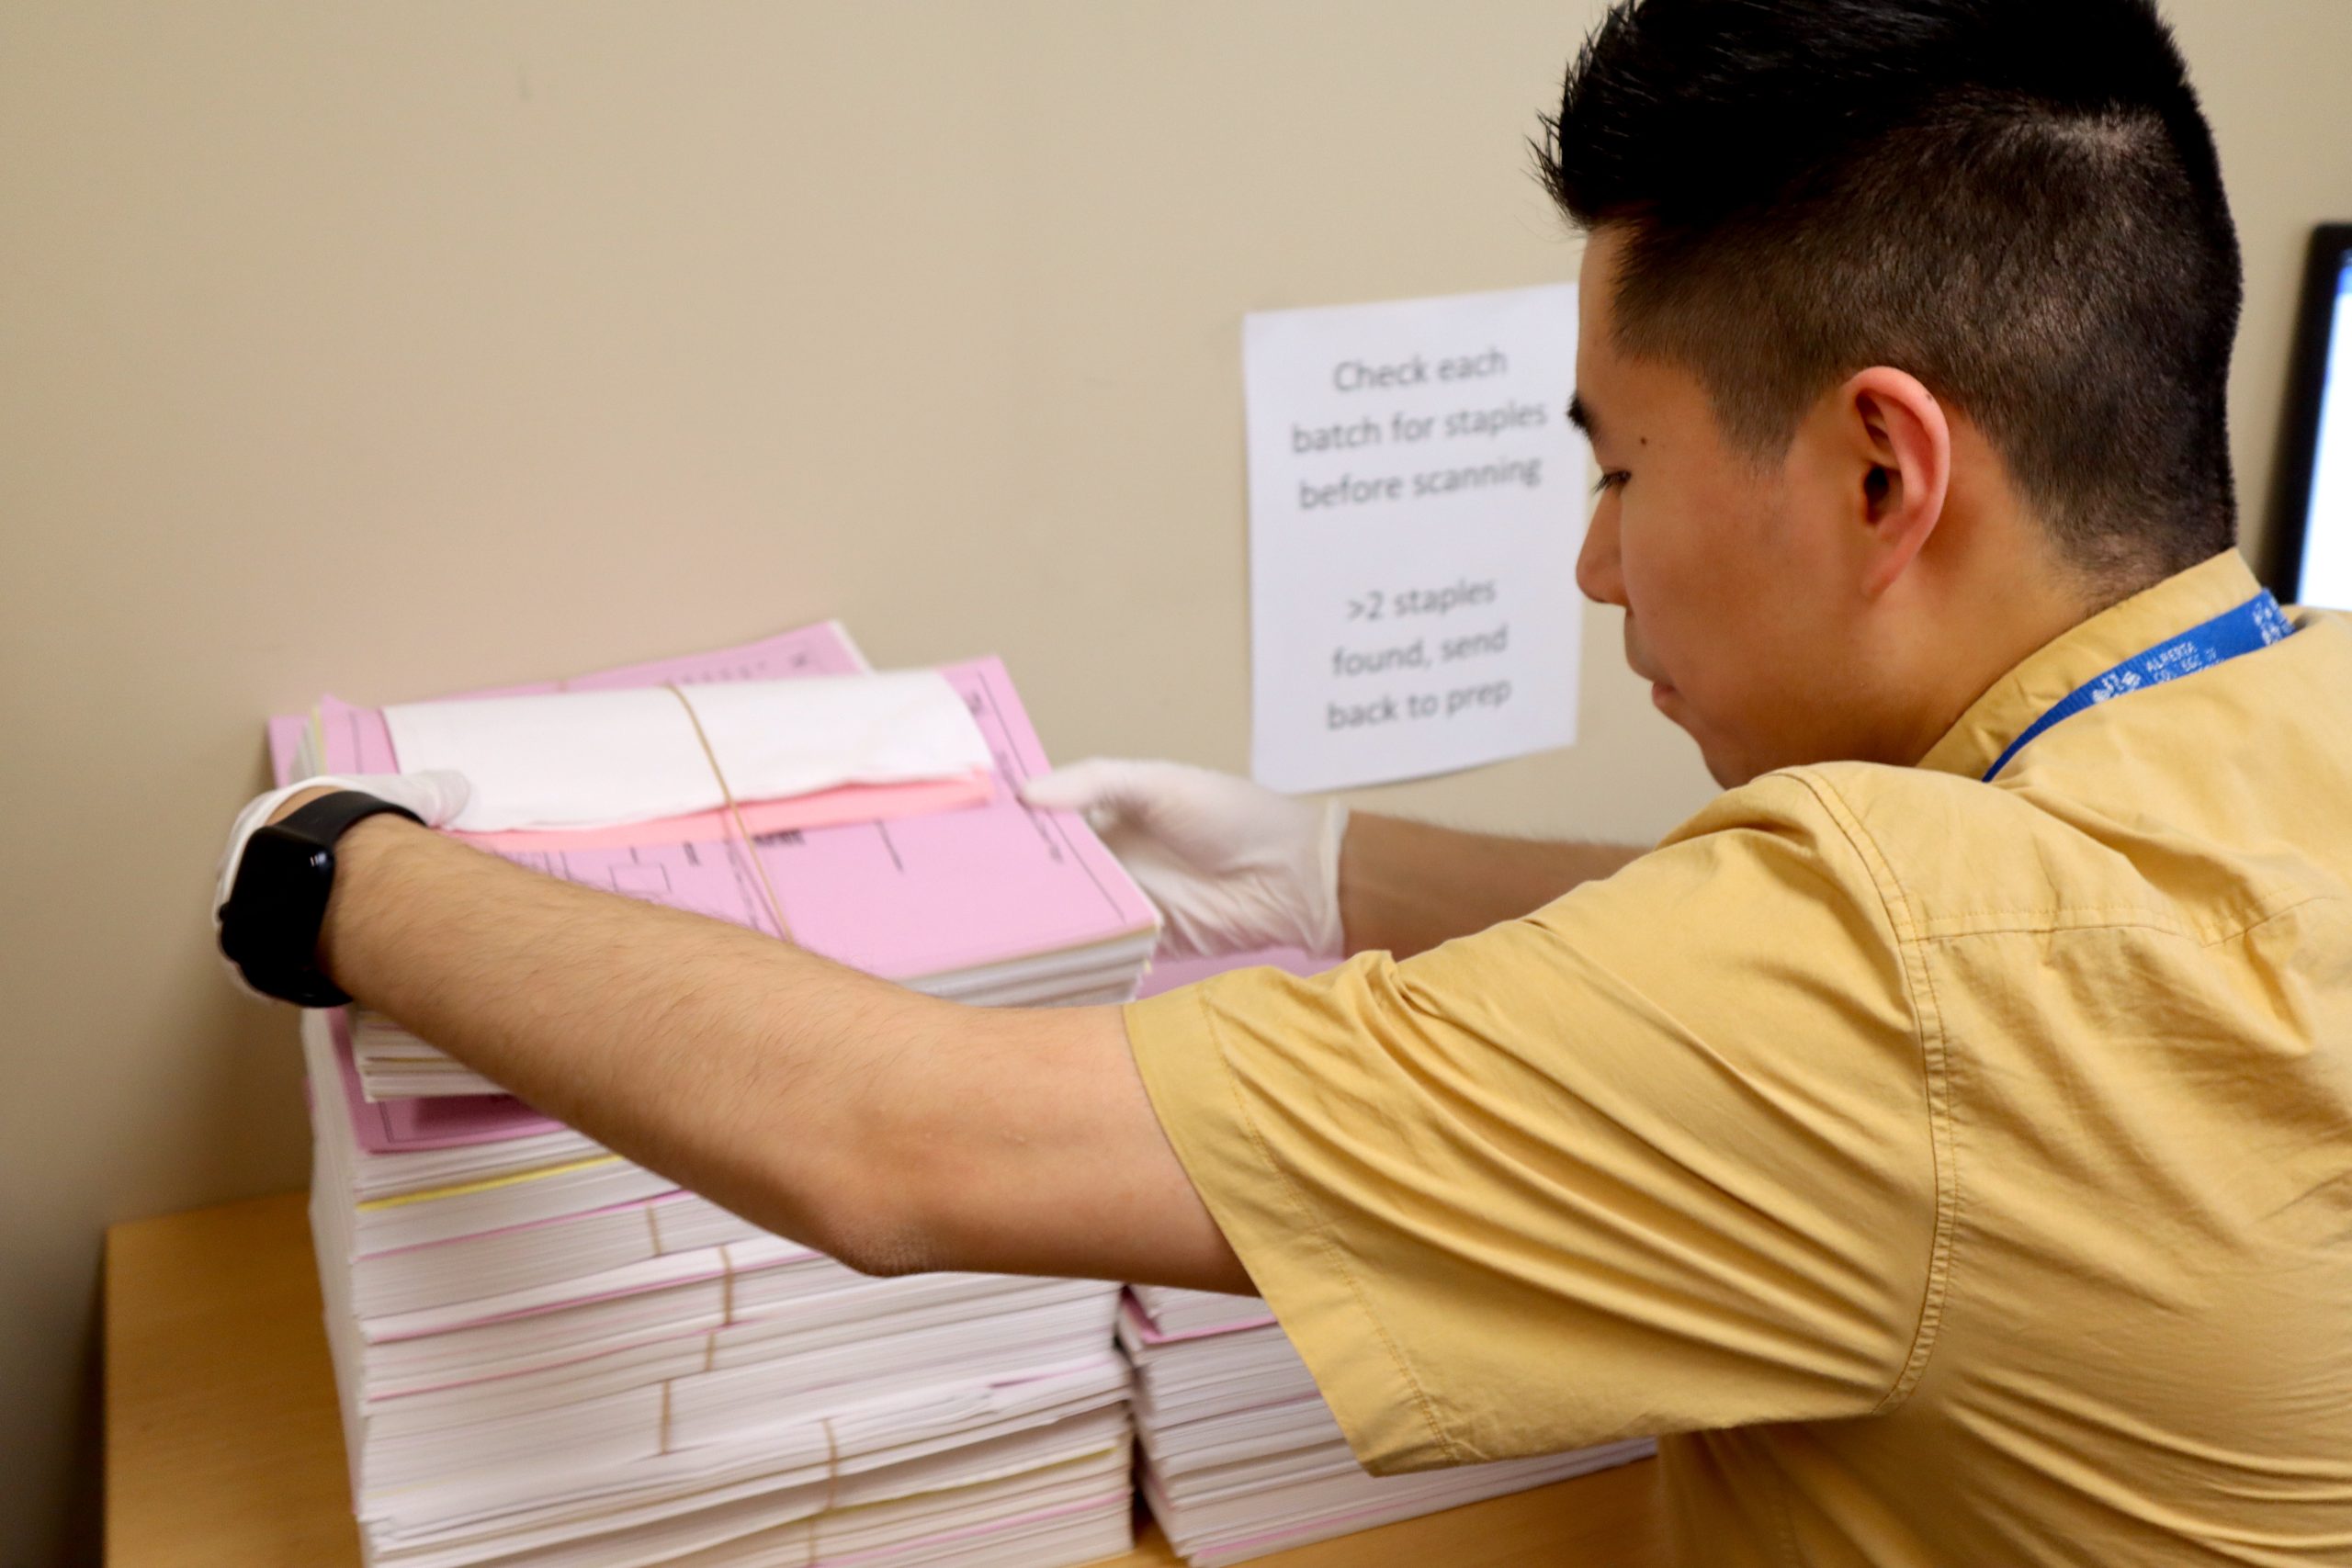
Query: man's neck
[[1989, 631]]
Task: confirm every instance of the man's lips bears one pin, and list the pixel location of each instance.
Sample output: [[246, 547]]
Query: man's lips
[[1635, 663], [1660, 688]]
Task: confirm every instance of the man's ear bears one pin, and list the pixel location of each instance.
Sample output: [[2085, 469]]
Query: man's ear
[[1900, 450]]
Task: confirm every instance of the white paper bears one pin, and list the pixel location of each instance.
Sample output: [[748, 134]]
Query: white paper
[[1416, 503], [595, 759]]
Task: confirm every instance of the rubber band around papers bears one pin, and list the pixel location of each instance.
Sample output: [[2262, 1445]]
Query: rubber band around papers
[[710, 1364], [734, 812], [832, 1482]]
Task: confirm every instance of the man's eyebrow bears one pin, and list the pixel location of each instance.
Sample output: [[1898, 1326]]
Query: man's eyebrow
[[1580, 414]]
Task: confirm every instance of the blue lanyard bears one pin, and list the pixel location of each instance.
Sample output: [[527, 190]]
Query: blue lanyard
[[2256, 624]]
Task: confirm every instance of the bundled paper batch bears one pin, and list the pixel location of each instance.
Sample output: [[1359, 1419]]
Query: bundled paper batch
[[1242, 1458], [549, 1355]]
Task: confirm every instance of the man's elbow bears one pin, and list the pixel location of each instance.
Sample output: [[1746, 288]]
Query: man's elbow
[[886, 1251], [903, 1180], [882, 1214]]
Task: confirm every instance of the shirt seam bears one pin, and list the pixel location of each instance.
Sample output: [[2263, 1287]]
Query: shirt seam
[[2009, 922], [1313, 1227], [1956, 921], [1934, 1059], [2240, 932]]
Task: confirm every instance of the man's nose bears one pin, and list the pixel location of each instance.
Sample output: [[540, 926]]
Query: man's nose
[[1598, 572]]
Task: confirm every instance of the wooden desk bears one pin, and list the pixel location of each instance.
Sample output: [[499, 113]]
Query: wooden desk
[[223, 1450]]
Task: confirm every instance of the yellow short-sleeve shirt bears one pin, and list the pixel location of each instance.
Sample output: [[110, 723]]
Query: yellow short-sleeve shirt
[[1950, 1173]]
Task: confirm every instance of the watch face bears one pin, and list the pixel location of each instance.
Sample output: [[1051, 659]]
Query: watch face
[[279, 901]]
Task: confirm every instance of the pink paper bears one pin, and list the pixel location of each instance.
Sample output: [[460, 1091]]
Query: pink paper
[[825, 808], [1149, 1332], [904, 898], [400, 1126]]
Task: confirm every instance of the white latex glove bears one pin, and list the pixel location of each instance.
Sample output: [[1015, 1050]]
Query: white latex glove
[[435, 797], [1232, 865]]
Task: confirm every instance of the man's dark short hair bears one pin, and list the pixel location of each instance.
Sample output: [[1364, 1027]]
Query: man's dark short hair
[[2017, 201]]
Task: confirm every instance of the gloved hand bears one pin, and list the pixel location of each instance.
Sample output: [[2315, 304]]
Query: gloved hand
[[1233, 867], [436, 798]]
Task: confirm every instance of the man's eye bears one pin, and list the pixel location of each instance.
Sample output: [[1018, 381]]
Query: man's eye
[[1613, 479]]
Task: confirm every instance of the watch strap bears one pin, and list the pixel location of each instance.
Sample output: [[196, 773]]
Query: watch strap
[[330, 816]]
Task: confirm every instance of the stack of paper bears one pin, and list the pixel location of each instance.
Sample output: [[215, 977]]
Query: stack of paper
[[1240, 1455], [549, 1355], [985, 902]]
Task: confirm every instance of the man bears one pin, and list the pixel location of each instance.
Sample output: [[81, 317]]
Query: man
[[1941, 1140]]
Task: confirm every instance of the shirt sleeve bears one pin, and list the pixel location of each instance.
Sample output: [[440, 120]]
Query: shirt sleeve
[[1658, 1158]]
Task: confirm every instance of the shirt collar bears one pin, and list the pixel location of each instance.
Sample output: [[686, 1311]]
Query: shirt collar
[[2082, 654]]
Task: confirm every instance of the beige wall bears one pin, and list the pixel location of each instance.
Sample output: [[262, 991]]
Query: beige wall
[[385, 349]]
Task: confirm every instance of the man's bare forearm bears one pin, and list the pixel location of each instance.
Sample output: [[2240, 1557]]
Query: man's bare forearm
[[1407, 887], [891, 1128]]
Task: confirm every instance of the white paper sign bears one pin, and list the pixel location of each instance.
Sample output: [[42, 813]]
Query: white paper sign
[[1416, 503]]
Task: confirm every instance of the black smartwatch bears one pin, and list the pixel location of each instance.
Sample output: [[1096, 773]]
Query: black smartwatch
[[269, 927]]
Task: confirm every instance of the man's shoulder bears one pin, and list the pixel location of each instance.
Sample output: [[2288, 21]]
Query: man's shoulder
[[1953, 856], [1866, 809], [1903, 837]]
